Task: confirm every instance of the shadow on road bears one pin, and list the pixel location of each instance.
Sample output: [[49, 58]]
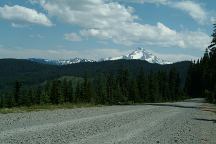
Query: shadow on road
[[208, 120], [173, 105], [182, 105], [209, 109], [196, 100]]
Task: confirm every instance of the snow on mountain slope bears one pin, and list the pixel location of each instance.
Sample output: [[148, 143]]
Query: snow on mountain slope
[[60, 61], [140, 54]]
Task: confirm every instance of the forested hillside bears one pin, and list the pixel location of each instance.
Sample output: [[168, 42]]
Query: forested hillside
[[31, 73], [110, 82], [109, 88], [201, 81]]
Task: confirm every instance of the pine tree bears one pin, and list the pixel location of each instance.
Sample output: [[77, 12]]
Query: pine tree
[[172, 84], [31, 96], [9, 102], [123, 81], [78, 93], [55, 94], [44, 97], [153, 88], [205, 71], [178, 90], [1, 101], [17, 92], [212, 46], [162, 81], [47, 92], [212, 55], [133, 91], [65, 90], [143, 89], [111, 84], [188, 82], [38, 95], [91, 93], [26, 98], [214, 95], [85, 96], [70, 92], [206, 58], [117, 95], [101, 89]]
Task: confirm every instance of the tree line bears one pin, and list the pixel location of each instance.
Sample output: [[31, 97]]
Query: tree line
[[106, 89], [201, 81]]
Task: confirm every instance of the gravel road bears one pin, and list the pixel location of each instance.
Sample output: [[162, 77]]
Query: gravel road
[[168, 123]]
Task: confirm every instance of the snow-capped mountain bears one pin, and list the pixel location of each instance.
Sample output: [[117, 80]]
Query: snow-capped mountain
[[60, 61], [140, 54]]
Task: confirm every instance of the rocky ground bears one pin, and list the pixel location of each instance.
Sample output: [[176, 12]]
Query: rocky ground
[[182, 122]]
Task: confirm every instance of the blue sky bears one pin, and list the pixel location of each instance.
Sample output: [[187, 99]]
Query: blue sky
[[171, 29]]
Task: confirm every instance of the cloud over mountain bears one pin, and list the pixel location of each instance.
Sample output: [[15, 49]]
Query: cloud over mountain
[[108, 20]]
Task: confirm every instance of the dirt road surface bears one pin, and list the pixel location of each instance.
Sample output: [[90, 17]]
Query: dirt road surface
[[167, 123]]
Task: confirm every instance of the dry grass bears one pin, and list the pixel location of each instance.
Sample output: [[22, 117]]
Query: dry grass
[[45, 107], [209, 107]]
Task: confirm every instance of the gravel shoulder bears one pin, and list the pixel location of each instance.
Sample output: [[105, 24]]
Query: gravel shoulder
[[182, 122]]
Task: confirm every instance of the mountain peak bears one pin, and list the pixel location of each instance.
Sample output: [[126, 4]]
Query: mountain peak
[[140, 48], [140, 54]]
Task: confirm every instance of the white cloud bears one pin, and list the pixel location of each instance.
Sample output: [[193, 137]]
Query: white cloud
[[159, 35], [195, 39], [149, 1], [89, 13], [15, 25], [193, 9], [72, 37], [21, 14], [107, 20]]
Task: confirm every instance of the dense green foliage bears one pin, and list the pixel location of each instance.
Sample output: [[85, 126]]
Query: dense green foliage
[[106, 88], [28, 72], [201, 81], [32, 73]]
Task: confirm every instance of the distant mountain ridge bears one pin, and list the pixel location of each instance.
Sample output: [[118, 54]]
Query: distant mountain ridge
[[138, 54], [60, 61]]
